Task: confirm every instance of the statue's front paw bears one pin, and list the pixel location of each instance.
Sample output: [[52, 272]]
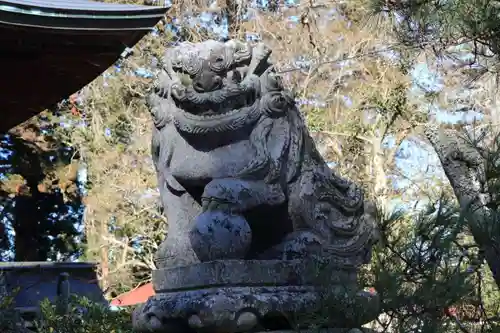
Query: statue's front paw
[[219, 235]]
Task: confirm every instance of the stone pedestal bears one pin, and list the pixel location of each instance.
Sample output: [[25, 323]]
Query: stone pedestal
[[251, 296]]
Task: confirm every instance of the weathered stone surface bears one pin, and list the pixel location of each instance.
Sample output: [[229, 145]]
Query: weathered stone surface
[[217, 235], [254, 212], [238, 297], [328, 330], [237, 273], [240, 309]]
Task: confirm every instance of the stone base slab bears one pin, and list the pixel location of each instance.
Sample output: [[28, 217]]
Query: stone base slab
[[278, 295], [245, 309], [235, 273], [326, 330]]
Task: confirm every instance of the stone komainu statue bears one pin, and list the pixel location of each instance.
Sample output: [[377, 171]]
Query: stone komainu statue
[[244, 190]]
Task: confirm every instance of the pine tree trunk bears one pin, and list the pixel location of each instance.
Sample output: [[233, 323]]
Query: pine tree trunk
[[465, 169]]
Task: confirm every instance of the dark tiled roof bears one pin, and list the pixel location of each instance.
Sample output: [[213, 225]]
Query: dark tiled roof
[[22, 265], [78, 14], [50, 49], [76, 5]]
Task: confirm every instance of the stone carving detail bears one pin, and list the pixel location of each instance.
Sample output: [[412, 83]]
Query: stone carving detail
[[244, 190]]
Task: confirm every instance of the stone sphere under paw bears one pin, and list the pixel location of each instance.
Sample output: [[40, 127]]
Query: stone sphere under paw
[[218, 235]]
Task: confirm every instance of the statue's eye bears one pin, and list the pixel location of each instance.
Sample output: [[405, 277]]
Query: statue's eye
[[218, 63], [235, 76]]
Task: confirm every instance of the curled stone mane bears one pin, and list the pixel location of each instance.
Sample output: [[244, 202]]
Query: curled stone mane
[[313, 188]]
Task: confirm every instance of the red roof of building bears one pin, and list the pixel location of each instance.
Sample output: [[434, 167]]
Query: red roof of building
[[135, 296]]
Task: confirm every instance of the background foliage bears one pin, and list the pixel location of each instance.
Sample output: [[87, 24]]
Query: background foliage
[[82, 177]]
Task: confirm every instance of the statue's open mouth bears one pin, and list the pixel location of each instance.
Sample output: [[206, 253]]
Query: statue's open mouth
[[228, 104], [229, 108]]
